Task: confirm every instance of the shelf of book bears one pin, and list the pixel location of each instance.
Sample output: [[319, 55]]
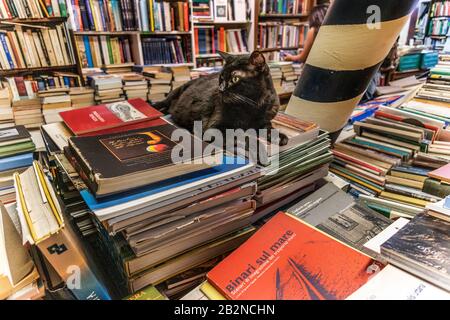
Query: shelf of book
[[164, 33], [278, 49], [35, 20], [283, 16], [222, 22], [105, 33], [14, 72]]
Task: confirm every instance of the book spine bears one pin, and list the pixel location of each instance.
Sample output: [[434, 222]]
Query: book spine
[[6, 50], [435, 188]]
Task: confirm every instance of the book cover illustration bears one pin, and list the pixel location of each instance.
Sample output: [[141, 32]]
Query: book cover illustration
[[125, 111], [140, 144], [289, 260], [424, 240]]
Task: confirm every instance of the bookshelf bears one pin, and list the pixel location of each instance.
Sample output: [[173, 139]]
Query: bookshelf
[[437, 24], [271, 20]]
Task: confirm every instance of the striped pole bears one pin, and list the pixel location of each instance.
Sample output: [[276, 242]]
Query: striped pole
[[349, 48]]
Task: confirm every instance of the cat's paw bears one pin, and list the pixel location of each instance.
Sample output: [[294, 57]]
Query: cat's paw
[[283, 139]]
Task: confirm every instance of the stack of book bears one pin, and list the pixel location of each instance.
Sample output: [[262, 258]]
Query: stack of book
[[281, 35], [160, 82], [289, 76], [159, 218], [32, 9], [36, 47], [81, 97], [135, 85], [28, 112], [6, 113], [438, 84], [277, 77], [19, 277], [126, 67], [16, 154], [295, 168], [108, 88], [167, 50], [181, 75], [202, 10], [53, 102], [94, 52]]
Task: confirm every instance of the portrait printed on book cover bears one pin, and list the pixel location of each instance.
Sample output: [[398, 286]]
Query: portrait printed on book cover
[[125, 111]]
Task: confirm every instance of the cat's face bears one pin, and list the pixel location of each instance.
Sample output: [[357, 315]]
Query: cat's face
[[242, 78]]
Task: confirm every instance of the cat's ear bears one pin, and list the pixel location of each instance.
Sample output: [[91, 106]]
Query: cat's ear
[[257, 59], [226, 56]]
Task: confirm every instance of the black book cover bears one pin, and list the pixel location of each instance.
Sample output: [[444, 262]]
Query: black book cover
[[84, 15], [423, 245], [117, 155], [14, 133], [44, 47]]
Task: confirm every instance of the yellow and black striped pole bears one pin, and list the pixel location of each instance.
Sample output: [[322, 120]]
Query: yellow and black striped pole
[[350, 46]]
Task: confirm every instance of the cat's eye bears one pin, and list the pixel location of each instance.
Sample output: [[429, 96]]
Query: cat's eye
[[235, 79]]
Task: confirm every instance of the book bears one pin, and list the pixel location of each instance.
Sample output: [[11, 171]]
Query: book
[[442, 174], [422, 248], [288, 259], [123, 161], [102, 117], [392, 283]]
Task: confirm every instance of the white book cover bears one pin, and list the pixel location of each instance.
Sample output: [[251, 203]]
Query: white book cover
[[240, 10], [220, 10], [439, 207], [392, 283], [375, 243], [55, 7]]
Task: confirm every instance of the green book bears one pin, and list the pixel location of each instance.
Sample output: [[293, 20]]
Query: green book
[[148, 293], [110, 53], [14, 149], [62, 8]]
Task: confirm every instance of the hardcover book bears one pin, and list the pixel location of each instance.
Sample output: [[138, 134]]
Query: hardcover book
[[117, 162], [422, 247], [13, 135], [107, 116], [288, 259]]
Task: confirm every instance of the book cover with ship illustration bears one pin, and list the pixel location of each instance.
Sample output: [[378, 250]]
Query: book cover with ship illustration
[[290, 260]]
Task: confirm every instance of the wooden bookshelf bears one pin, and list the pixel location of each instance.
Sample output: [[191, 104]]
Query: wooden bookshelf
[[283, 16], [222, 23], [22, 71], [105, 33], [34, 20]]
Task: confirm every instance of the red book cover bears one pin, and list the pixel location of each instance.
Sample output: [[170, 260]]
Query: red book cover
[[20, 85], [133, 126], [107, 116], [290, 260], [186, 16], [381, 114]]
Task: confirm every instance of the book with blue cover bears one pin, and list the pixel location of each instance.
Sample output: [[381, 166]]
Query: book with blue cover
[[22, 160]]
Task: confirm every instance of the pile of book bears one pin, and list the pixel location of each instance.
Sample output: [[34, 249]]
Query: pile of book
[[135, 85], [166, 50], [295, 168], [438, 83], [6, 113], [81, 97], [16, 154], [28, 112], [53, 102], [181, 75], [289, 76], [388, 158], [277, 77], [108, 88], [160, 80], [32, 9], [19, 277], [202, 10], [35, 47], [118, 68], [158, 218], [308, 251], [96, 51]]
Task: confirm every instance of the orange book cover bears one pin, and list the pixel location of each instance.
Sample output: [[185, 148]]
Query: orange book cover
[[197, 50], [290, 260], [186, 16], [222, 39]]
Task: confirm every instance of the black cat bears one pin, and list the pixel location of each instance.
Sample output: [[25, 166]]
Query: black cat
[[241, 96]]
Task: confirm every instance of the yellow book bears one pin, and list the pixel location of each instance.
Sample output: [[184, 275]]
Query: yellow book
[[368, 186], [405, 182], [402, 198], [44, 9], [148, 293], [94, 17], [152, 20], [409, 176], [211, 292]]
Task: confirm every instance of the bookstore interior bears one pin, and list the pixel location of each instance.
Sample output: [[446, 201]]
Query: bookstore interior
[[219, 149]]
